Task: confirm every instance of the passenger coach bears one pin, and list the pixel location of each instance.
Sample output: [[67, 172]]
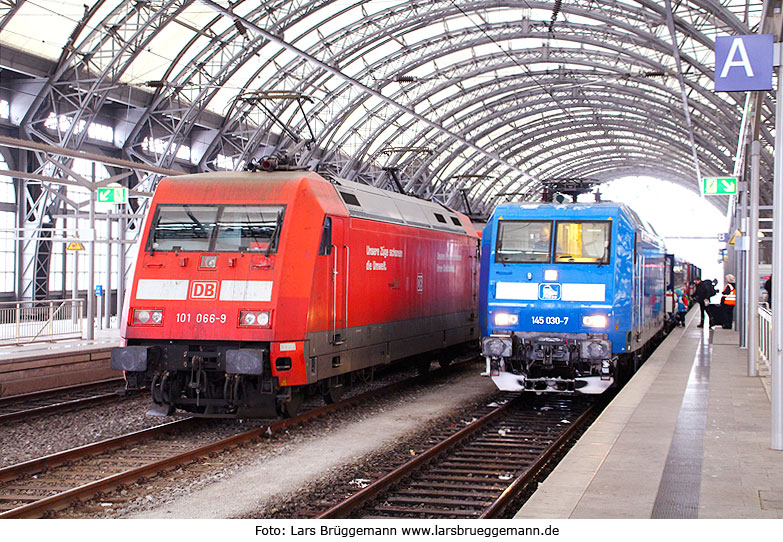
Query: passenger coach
[[569, 295]]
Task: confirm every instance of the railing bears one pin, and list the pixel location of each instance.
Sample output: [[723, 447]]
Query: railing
[[29, 321], [765, 333]]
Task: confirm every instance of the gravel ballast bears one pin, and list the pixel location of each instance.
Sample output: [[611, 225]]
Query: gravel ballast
[[309, 456]]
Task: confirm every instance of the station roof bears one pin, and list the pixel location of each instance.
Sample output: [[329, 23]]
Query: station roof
[[467, 102]]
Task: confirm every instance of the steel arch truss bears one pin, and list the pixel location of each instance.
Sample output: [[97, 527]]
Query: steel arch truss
[[467, 102]]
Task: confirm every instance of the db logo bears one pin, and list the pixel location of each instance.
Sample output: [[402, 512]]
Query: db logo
[[203, 289]]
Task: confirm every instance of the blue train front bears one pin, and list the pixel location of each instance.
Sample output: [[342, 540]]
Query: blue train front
[[570, 295]]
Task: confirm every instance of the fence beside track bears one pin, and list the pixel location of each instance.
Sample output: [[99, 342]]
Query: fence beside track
[[47, 320], [765, 334]]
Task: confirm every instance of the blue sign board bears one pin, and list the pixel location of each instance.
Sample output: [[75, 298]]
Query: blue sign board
[[99, 290], [548, 291], [743, 62]]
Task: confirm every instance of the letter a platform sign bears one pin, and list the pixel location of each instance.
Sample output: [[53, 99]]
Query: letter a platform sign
[[743, 62]]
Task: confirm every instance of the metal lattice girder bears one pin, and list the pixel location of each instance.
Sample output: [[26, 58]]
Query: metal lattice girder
[[631, 25], [498, 91]]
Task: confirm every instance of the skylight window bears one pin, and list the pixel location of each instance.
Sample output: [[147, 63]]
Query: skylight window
[[100, 132], [161, 146], [62, 123]]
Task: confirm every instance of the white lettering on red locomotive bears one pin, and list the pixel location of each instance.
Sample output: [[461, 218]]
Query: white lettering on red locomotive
[[201, 318], [383, 252]]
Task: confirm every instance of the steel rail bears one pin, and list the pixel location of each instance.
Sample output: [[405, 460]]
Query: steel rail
[[65, 498], [59, 405], [356, 500], [518, 485], [36, 395], [362, 497]]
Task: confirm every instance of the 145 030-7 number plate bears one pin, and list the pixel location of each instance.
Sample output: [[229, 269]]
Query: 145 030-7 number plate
[[550, 320]]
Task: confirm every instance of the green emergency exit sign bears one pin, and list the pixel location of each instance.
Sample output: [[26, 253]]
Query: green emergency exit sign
[[113, 195], [719, 186]]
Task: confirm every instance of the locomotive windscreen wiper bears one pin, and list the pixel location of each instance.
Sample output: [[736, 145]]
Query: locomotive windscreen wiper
[[276, 235], [603, 256], [196, 221]]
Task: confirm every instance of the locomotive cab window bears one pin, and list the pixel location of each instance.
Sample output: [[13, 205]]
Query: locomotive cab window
[[582, 242], [524, 241], [325, 249], [215, 228]]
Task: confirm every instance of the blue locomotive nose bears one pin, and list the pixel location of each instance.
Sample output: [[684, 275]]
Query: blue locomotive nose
[[562, 289]]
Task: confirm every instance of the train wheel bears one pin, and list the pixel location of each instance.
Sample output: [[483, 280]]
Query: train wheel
[[332, 391], [422, 363], [290, 408], [445, 358]]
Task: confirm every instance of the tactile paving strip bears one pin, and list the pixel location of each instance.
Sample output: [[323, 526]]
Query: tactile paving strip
[[678, 492]]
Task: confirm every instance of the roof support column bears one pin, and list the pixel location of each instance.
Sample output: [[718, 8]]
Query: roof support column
[[752, 274], [776, 361]]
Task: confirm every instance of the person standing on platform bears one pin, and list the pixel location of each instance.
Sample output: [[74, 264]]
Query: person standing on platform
[[704, 291], [768, 288], [681, 307], [727, 302]]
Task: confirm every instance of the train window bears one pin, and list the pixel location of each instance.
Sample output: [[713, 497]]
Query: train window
[[350, 199], [455, 221], [582, 242], [215, 228], [326, 238], [243, 228], [440, 218], [523, 241], [183, 228]]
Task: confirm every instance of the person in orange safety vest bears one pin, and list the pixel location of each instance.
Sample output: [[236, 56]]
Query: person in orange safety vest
[[728, 301]]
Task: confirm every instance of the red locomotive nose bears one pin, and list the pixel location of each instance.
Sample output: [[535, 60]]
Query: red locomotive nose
[[256, 288]]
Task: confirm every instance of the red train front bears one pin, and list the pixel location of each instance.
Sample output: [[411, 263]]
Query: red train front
[[252, 290]]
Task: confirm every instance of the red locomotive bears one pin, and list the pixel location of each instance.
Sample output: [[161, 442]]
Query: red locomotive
[[254, 289]]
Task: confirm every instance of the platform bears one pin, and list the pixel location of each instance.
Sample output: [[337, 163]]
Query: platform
[[44, 365], [688, 437]]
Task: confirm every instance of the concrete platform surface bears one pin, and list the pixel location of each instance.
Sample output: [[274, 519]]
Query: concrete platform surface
[[688, 437]]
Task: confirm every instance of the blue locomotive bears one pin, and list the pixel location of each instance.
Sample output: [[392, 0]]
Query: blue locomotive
[[569, 295]]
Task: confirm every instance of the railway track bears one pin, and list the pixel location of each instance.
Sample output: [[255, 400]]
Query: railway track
[[31, 404], [478, 471], [41, 486]]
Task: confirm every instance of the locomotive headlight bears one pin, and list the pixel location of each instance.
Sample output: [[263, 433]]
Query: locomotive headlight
[[208, 261], [145, 317], [597, 321], [550, 274], [504, 319], [249, 318], [254, 318], [262, 318]]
